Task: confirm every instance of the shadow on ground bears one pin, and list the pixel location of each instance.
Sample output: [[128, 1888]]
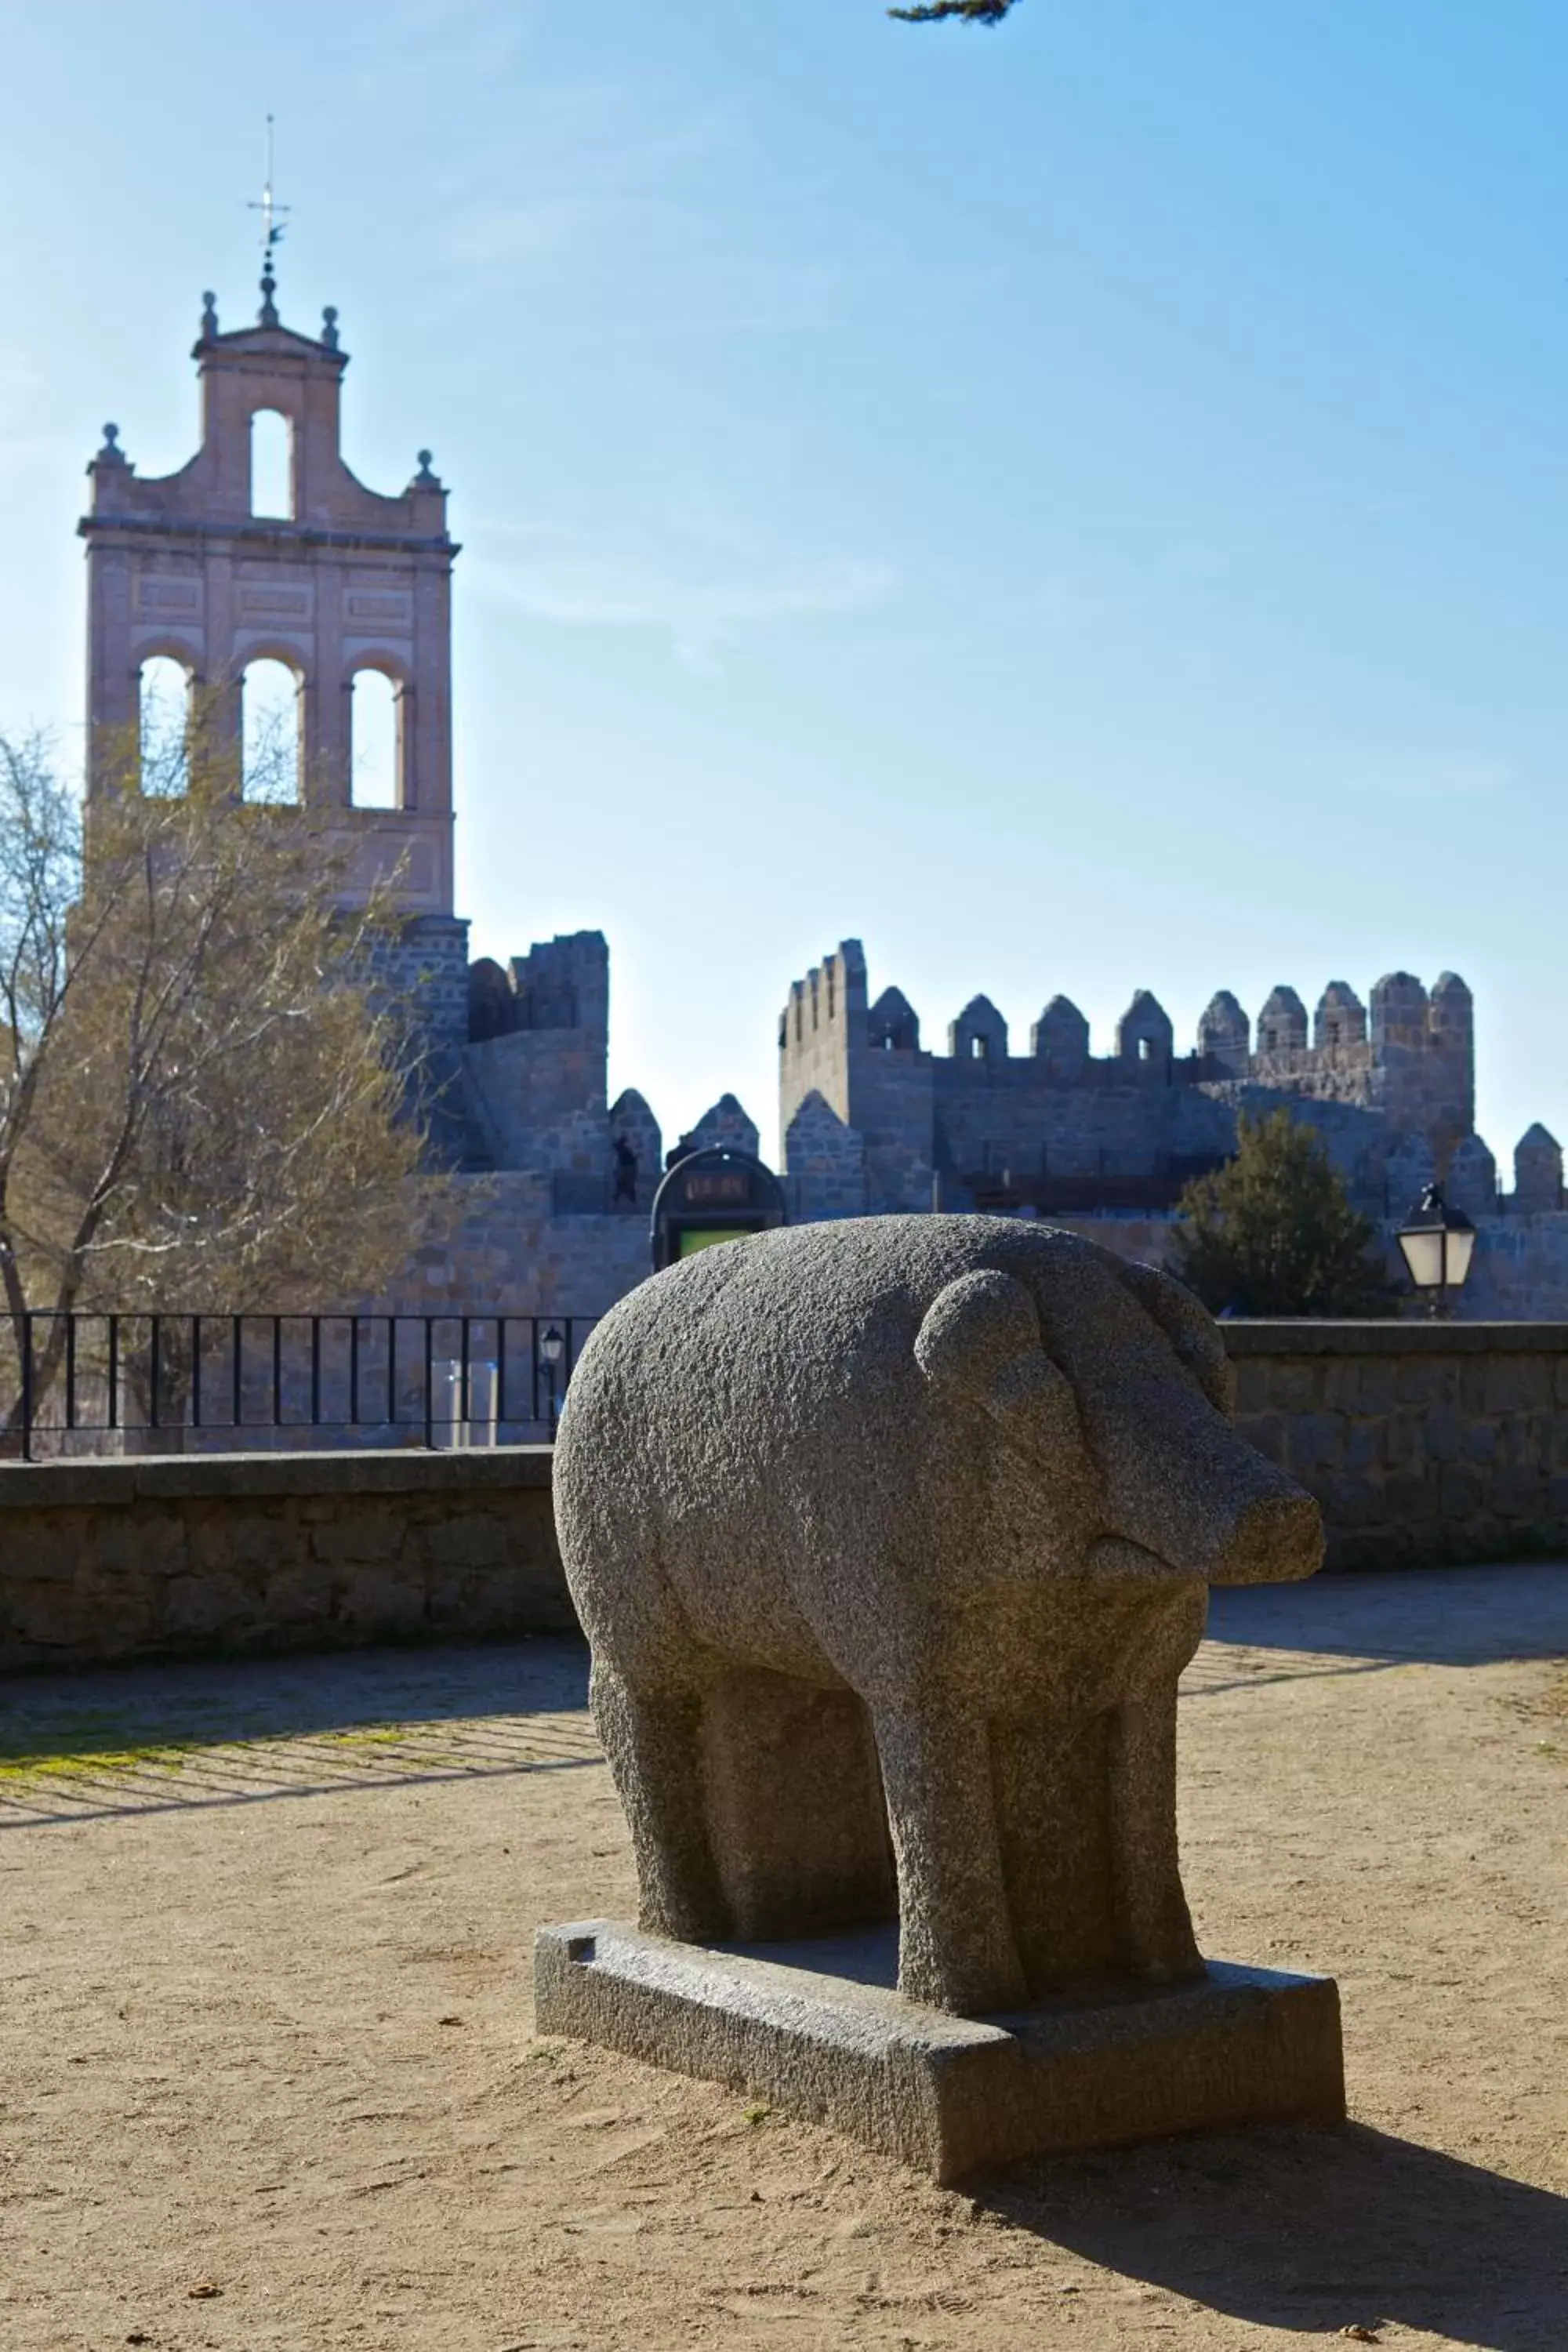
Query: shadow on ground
[[1315, 2230], [124, 1707], [1434, 1617]]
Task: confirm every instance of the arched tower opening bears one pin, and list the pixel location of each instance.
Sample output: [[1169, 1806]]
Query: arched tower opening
[[270, 749], [376, 775], [163, 686], [271, 465]]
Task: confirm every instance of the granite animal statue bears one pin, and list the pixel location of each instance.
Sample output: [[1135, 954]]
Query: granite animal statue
[[891, 1538]]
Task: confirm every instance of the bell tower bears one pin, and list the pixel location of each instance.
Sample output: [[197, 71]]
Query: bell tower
[[343, 581]]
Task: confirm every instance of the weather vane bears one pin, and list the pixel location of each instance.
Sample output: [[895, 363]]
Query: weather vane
[[272, 219]]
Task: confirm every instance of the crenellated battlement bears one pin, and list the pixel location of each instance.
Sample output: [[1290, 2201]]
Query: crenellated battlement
[[979, 1116]]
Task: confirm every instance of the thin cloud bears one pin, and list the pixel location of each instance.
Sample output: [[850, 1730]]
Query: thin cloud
[[702, 608]]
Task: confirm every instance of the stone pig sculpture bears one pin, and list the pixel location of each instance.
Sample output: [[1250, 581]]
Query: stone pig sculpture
[[892, 1537]]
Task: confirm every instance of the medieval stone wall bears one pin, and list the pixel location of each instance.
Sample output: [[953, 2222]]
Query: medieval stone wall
[[509, 1252], [1389, 1086]]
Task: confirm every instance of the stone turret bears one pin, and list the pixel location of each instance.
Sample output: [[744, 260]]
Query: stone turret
[[726, 1126], [1422, 1058], [1400, 1007], [979, 1034], [1340, 1017], [892, 1024], [1471, 1183], [1282, 1023], [825, 1164], [1060, 1038], [633, 1125], [1145, 1038], [1225, 1035], [1537, 1171], [1452, 1020]]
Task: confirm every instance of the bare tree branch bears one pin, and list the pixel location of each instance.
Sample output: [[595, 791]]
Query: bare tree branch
[[204, 1072]]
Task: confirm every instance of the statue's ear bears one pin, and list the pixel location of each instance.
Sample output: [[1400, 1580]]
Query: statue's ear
[[980, 1345], [1190, 1328]]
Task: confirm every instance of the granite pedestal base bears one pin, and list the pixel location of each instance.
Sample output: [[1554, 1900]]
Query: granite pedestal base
[[817, 2028]]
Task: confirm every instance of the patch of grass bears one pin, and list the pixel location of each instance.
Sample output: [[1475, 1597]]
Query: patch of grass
[[79, 1763], [384, 1736], [93, 1746]]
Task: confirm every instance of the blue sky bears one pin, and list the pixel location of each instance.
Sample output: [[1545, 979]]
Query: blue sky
[[1082, 507]]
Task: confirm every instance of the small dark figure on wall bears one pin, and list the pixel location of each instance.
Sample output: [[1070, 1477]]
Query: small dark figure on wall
[[626, 1187]]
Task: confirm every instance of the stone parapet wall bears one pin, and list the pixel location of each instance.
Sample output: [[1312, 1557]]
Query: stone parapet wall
[[107, 1560], [1425, 1442]]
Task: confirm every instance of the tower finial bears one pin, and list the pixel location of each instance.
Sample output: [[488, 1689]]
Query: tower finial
[[272, 218]]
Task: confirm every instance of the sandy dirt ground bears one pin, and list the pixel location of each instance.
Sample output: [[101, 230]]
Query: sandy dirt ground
[[268, 2077]]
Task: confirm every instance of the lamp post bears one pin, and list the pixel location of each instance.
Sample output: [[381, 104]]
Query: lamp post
[[1437, 1243], [553, 1346]]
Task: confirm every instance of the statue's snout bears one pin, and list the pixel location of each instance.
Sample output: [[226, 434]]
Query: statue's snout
[[1275, 1540], [1180, 1483]]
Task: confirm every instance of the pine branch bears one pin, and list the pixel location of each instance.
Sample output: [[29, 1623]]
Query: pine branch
[[972, 12]]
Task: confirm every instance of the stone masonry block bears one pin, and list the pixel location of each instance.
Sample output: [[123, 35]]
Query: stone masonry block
[[132, 1546], [1409, 1499], [299, 1593], [45, 1553], [358, 1539], [1268, 1432], [207, 1608], [1516, 1383], [1443, 1435], [381, 1603], [1314, 1441], [1355, 1502], [1461, 1491], [1362, 1445], [476, 1541], [1292, 1386], [1403, 1435], [1419, 1380]]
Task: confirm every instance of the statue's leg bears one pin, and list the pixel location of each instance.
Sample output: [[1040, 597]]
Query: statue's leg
[[956, 1948], [796, 1815], [1156, 1928], [652, 1735]]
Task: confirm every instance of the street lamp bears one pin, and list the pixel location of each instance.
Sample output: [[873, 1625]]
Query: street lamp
[[553, 1346], [1437, 1243]]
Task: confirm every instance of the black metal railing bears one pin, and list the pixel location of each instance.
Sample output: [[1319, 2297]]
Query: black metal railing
[[210, 1381]]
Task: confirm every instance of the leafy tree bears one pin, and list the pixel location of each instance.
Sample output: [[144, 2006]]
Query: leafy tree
[[974, 12], [1274, 1233], [204, 1096]]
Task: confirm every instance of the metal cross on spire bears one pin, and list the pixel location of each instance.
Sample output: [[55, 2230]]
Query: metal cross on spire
[[272, 220]]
